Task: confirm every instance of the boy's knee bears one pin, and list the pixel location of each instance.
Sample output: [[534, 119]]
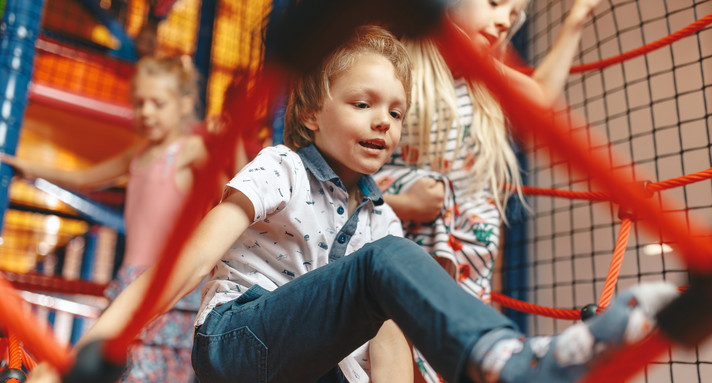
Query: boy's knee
[[391, 249]]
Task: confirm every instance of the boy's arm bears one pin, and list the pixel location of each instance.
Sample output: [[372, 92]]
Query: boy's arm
[[213, 237]]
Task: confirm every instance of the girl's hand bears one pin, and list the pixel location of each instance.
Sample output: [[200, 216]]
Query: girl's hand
[[582, 9], [422, 202], [17, 165]]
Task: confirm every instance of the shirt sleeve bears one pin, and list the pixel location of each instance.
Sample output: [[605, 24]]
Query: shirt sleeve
[[268, 181]]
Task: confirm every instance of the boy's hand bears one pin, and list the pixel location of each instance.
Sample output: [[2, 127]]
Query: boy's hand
[[44, 373]]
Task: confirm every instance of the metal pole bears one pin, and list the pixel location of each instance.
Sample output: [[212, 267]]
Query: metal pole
[[204, 45], [18, 34]]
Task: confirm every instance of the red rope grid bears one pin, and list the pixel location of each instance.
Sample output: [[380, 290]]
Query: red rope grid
[[618, 252], [523, 113], [645, 49]]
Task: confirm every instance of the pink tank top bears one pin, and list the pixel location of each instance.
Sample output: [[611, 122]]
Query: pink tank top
[[153, 202]]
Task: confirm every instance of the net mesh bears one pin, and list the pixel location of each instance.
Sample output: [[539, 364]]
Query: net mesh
[[653, 113]]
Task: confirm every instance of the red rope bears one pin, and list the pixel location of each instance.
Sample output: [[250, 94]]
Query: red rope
[[530, 308], [36, 336], [625, 362], [684, 32], [592, 196], [15, 356], [681, 181], [667, 40], [600, 196], [609, 286], [15, 352], [27, 360]]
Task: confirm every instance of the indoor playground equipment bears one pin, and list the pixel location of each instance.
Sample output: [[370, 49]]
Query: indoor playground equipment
[[618, 178]]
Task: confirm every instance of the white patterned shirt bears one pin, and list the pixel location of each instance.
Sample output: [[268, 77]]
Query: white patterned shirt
[[301, 223]]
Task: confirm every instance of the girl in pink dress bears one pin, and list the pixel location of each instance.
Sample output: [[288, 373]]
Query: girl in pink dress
[[160, 175]]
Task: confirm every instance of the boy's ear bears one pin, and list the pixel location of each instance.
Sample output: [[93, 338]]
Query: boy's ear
[[309, 120]]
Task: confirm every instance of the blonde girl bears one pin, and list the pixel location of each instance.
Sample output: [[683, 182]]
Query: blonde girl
[[447, 179]]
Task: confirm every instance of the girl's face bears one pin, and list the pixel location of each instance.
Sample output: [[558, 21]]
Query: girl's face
[[359, 126], [486, 21], [159, 111]]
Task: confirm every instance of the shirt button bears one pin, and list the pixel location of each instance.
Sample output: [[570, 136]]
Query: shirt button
[[342, 238], [340, 210]]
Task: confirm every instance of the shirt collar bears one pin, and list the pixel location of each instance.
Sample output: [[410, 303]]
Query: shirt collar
[[316, 164]]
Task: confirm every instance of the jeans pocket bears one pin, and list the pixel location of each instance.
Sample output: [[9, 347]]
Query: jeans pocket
[[234, 356]]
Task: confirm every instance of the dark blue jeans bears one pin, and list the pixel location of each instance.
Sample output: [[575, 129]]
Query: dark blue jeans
[[303, 329]]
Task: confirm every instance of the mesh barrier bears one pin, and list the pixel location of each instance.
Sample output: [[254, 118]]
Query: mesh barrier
[[653, 113]]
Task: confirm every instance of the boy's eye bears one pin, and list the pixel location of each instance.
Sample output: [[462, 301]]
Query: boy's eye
[[361, 105], [396, 115]]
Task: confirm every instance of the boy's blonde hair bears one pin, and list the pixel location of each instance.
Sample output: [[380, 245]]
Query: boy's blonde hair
[[309, 91], [180, 68], [496, 167]]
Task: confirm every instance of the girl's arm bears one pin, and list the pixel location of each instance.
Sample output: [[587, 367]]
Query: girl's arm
[[213, 237], [194, 153], [551, 74], [91, 178]]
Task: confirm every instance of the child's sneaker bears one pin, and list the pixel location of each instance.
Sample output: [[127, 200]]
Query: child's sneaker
[[505, 355]]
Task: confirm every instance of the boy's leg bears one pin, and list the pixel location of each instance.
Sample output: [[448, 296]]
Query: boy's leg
[[304, 328]]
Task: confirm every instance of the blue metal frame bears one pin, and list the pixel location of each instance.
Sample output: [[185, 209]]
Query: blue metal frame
[[204, 48], [94, 211], [515, 257], [18, 34], [126, 48]]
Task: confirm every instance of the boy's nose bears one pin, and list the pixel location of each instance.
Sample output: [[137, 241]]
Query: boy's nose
[[382, 123]]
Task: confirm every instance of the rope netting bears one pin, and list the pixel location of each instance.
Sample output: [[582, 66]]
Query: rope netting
[[626, 217], [642, 84], [642, 204]]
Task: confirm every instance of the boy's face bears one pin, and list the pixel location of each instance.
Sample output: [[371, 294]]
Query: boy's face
[[358, 128]]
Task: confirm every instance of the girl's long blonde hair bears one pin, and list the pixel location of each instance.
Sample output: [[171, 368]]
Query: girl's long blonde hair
[[435, 101]]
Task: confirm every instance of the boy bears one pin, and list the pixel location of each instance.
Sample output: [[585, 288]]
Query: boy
[[285, 303]]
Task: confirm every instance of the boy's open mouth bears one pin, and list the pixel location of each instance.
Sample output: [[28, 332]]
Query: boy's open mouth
[[373, 144]]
